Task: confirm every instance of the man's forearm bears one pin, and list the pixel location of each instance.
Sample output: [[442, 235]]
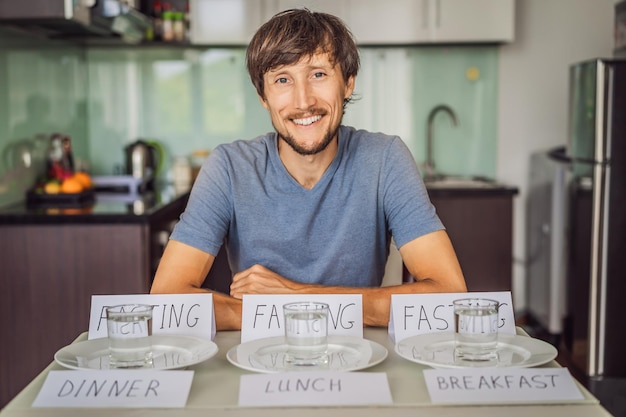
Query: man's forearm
[[227, 312]]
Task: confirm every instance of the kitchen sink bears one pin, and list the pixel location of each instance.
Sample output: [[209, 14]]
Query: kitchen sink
[[459, 182]]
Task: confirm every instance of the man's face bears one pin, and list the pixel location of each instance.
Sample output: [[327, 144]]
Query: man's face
[[305, 101]]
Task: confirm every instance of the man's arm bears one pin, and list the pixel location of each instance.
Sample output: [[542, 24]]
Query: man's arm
[[430, 259], [183, 269]]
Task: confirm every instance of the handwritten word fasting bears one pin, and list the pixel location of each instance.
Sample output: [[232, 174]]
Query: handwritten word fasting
[[167, 316], [271, 316], [437, 318]]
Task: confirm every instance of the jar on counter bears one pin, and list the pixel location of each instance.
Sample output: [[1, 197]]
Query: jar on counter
[[197, 159], [181, 174]]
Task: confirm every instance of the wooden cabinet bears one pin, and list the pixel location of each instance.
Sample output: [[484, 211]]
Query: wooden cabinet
[[373, 22], [50, 267], [481, 230], [49, 273]]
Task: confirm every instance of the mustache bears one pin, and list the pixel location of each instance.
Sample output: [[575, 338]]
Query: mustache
[[308, 113]]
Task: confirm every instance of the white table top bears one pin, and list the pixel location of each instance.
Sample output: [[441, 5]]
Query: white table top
[[215, 391]]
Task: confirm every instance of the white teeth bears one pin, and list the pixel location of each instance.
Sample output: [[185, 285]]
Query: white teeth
[[307, 121]]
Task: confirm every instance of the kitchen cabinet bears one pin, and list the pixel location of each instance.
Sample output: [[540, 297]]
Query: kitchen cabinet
[[338, 8], [52, 263], [473, 20], [49, 275], [373, 22], [431, 21], [234, 22], [224, 22], [480, 225], [376, 22]]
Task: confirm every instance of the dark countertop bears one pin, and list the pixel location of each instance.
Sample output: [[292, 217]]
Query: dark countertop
[[146, 207], [493, 191], [467, 187], [165, 203]]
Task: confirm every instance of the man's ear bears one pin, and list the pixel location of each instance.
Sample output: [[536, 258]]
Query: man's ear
[[350, 87], [263, 102]]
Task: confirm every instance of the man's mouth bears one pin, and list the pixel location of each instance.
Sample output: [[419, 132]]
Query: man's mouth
[[307, 121]]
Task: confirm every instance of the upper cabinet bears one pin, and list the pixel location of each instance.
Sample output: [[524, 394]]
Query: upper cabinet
[[373, 22], [225, 22], [472, 20], [338, 8]]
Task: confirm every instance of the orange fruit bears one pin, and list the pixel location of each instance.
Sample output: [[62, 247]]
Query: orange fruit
[[71, 185], [83, 178]]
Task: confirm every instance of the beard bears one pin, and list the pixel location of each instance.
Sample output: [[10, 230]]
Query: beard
[[301, 150], [328, 138]]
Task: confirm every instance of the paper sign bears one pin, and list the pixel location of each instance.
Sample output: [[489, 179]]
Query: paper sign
[[115, 388], [314, 389], [499, 385], [262, 315], [183, 314], [413, 314]]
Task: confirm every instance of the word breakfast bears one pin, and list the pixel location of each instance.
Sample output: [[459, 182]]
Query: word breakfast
[[498, 382]]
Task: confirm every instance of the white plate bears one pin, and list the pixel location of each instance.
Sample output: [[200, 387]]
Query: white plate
[[345, 353], [169, 352], [514, 351]]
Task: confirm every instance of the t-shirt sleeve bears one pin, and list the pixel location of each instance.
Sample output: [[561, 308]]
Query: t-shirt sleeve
[[206, 219], [410, 214]]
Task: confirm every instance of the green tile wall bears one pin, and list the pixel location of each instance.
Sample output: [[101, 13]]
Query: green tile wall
[[192, 98], [186, 99], [42, 89], [466, 80]]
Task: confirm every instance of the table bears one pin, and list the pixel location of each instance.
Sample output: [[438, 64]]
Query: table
[[215, 392]]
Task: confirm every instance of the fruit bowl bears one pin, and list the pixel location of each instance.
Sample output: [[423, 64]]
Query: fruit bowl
[[36, 198], [74, 191]]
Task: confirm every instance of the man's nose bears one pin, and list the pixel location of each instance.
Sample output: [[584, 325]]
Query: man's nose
[[303, 96]]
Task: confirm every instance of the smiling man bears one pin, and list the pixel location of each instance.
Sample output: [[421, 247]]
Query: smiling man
[[312, 207]]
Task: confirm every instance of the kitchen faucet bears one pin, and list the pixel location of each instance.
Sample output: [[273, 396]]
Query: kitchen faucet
[[429, 164]]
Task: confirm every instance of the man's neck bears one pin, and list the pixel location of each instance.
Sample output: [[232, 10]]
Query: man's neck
[[307, 170]]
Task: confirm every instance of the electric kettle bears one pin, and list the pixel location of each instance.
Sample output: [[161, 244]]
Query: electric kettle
[[143, 160]]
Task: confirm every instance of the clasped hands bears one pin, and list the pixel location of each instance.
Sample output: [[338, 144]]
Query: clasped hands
[[259, 280]]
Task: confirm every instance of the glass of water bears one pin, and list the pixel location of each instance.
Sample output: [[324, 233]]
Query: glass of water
[[129, 329], [306, 333], [476, 330]]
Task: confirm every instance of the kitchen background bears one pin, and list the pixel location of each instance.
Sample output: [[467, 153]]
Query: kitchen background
[[511, 100]]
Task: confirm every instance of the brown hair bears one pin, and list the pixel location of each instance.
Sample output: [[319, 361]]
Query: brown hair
[[293, 34]]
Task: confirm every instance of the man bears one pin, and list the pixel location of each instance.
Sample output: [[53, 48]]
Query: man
[[311, 208]]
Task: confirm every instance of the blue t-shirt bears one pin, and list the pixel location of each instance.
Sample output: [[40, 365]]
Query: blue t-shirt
[[337, 233]]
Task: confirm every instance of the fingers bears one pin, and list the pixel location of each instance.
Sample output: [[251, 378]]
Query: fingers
[[245, 282], [259, 280]]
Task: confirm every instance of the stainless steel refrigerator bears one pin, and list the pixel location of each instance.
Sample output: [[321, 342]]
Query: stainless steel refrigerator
[[594, 327]]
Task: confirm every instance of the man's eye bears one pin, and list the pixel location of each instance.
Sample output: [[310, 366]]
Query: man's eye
[[281, 80], [318, 75]]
